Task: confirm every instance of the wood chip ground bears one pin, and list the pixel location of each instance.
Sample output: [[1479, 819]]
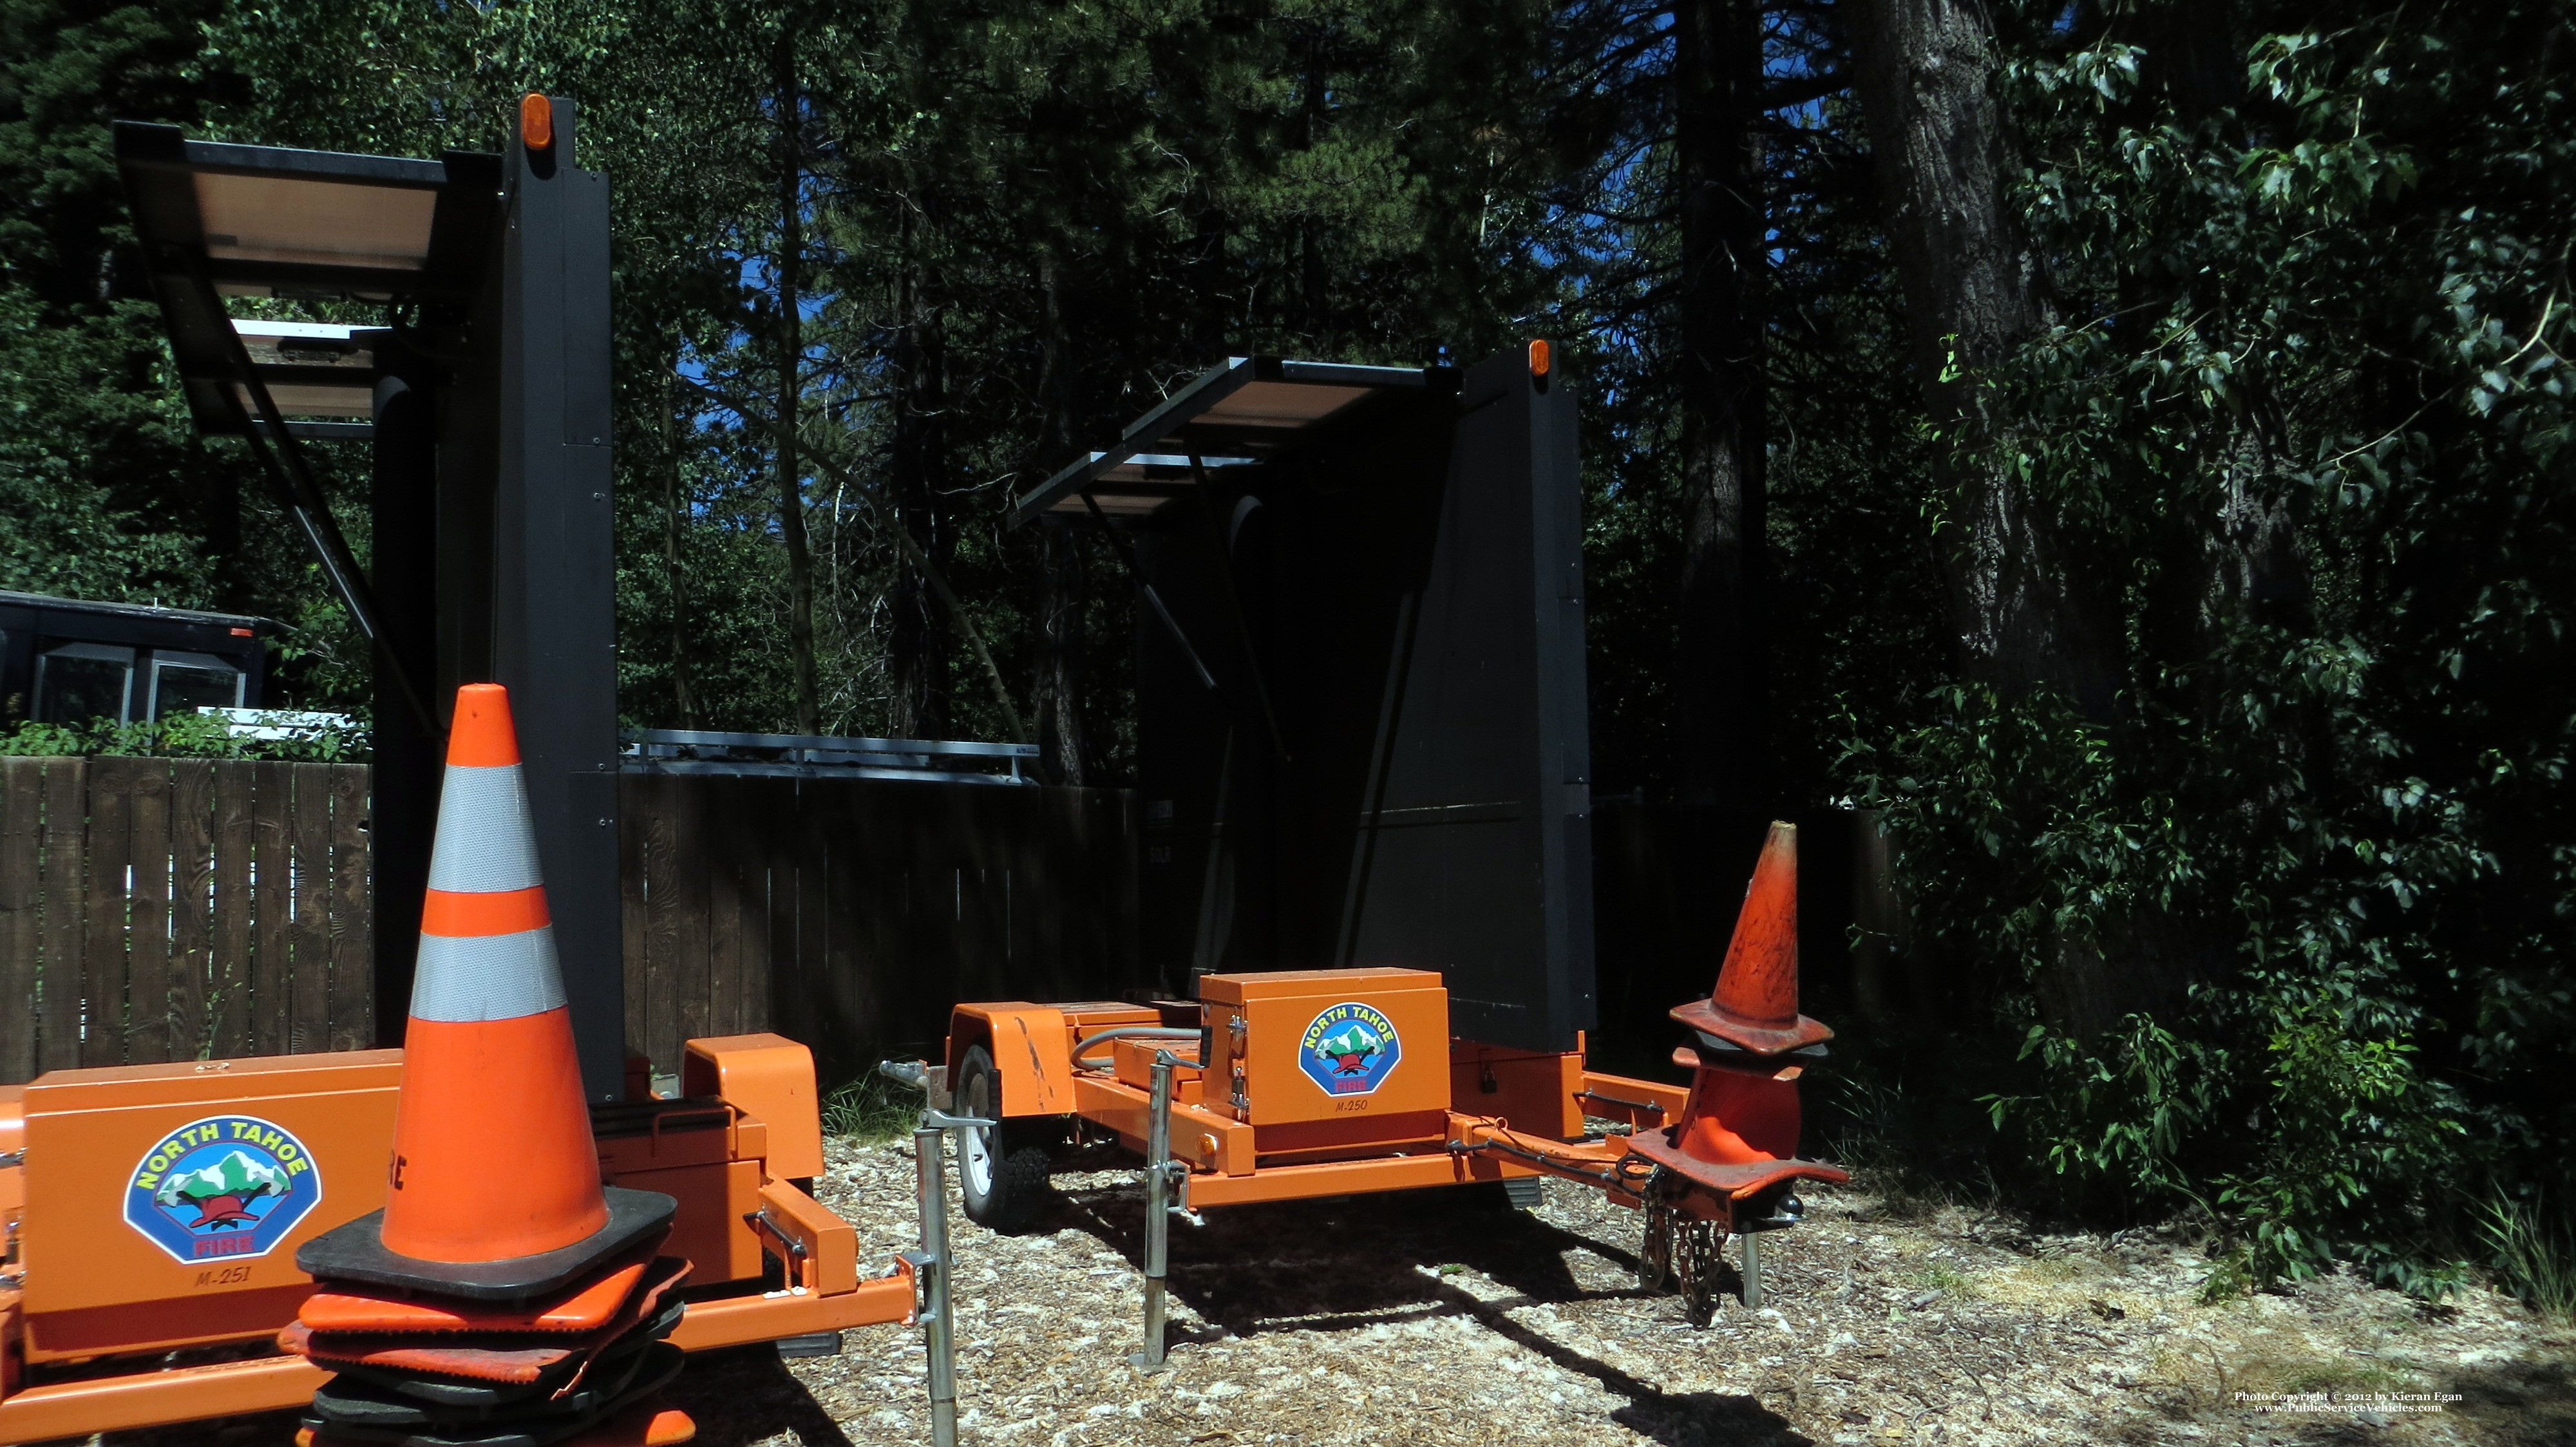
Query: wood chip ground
[[1448, 1317]]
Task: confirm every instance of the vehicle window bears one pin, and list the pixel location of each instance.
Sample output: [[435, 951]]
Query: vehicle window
[[79, 682]]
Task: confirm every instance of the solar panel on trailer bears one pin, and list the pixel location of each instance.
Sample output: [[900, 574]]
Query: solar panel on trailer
[[1253, 406], [293, 219], [1263, 410], [295, 400], [1141, 485], [312, 369]]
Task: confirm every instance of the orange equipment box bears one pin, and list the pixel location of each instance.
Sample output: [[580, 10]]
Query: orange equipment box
[[165, 1202], [1326, 1063]]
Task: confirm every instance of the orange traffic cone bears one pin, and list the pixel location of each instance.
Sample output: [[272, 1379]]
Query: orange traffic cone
[[1755, 1004], [528, 1306], [1737, 1136], [494, 1191]]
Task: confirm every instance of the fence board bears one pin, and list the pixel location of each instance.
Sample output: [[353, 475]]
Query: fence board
[[62, 875], [789, 977], [147, 912], [103, 962], [192, 875], [272, 990], [353, 957], [630, 923], [721, 839], [761, 817], [311, 929], [22, 824], [230, 963], [697, 866], [657, 817]]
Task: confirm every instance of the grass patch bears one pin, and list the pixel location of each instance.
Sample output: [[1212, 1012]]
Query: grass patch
[[2535, 1258], [870, 1110], [2051, 1284], [1902, 1150]]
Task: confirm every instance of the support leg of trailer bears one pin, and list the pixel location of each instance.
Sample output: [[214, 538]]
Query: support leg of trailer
[[1158, 1216], [1752, 1270], [930, 1267]]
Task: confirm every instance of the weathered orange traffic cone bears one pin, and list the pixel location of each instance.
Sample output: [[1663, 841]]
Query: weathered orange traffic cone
[[1755, 1004], [1743, 1107], [494, 1188]]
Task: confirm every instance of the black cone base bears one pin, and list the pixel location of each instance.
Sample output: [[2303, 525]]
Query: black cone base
[[351, 1408], [488, 1397], [356, 1252]]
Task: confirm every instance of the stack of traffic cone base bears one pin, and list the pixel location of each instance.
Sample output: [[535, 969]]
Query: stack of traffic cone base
[[503, 1297], [1738, 1132]]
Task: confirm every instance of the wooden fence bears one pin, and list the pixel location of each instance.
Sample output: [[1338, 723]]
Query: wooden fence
[[850, 913], [159, 909], [180, 909]]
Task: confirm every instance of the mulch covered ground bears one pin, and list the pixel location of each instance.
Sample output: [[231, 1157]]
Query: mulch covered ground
[[1447, 1317]]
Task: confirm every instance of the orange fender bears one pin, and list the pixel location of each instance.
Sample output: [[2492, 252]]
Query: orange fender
[[1032, 1047]]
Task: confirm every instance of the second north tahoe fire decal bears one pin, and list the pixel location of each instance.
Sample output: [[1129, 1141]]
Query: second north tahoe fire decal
[[1349, 1048]]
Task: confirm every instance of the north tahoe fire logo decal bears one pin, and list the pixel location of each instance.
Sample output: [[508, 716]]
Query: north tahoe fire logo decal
[[1349, 1049], [225, 1187]]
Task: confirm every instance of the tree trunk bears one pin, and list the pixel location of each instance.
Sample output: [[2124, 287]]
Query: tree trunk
[[675, 574], [1723, 677], [1060, 724], [917, 640], [791, 353], [1059, 690], [1945, 159], [1313, 310]]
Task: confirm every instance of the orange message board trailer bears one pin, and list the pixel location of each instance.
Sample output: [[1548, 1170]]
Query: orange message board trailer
[[1362, 752], [102, 1280]]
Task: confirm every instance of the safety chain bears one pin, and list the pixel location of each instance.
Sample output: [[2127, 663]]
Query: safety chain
[[1679, 1248]]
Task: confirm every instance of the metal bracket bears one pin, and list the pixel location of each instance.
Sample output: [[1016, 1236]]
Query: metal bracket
[[1635, 1105], [791, 1252], [1178, 1173]]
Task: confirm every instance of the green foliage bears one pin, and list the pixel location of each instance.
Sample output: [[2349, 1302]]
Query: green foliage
[[2287, 930], [183, 736], [2354, 1144]]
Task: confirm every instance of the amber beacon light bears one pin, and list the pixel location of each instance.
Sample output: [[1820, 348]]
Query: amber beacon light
[[536, 121], [1539, 358]]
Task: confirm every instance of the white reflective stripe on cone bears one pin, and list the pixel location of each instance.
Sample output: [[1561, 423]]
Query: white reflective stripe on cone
[[472, 978], [486, 842]]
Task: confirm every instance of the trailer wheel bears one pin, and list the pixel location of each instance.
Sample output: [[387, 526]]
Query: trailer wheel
[[1001, 1172]]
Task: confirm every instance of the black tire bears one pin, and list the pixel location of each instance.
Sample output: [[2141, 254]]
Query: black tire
[[1001, 1169]]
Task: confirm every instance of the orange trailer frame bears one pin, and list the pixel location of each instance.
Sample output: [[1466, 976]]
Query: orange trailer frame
[[1534, 1120], [89, 1312]]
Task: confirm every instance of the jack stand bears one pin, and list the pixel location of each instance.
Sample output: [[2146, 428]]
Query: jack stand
[[931, 1267], [1160, 1172], [1752, 1270]]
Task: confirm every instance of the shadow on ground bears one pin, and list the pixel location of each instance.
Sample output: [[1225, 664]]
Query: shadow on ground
[[1349, 1262]]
